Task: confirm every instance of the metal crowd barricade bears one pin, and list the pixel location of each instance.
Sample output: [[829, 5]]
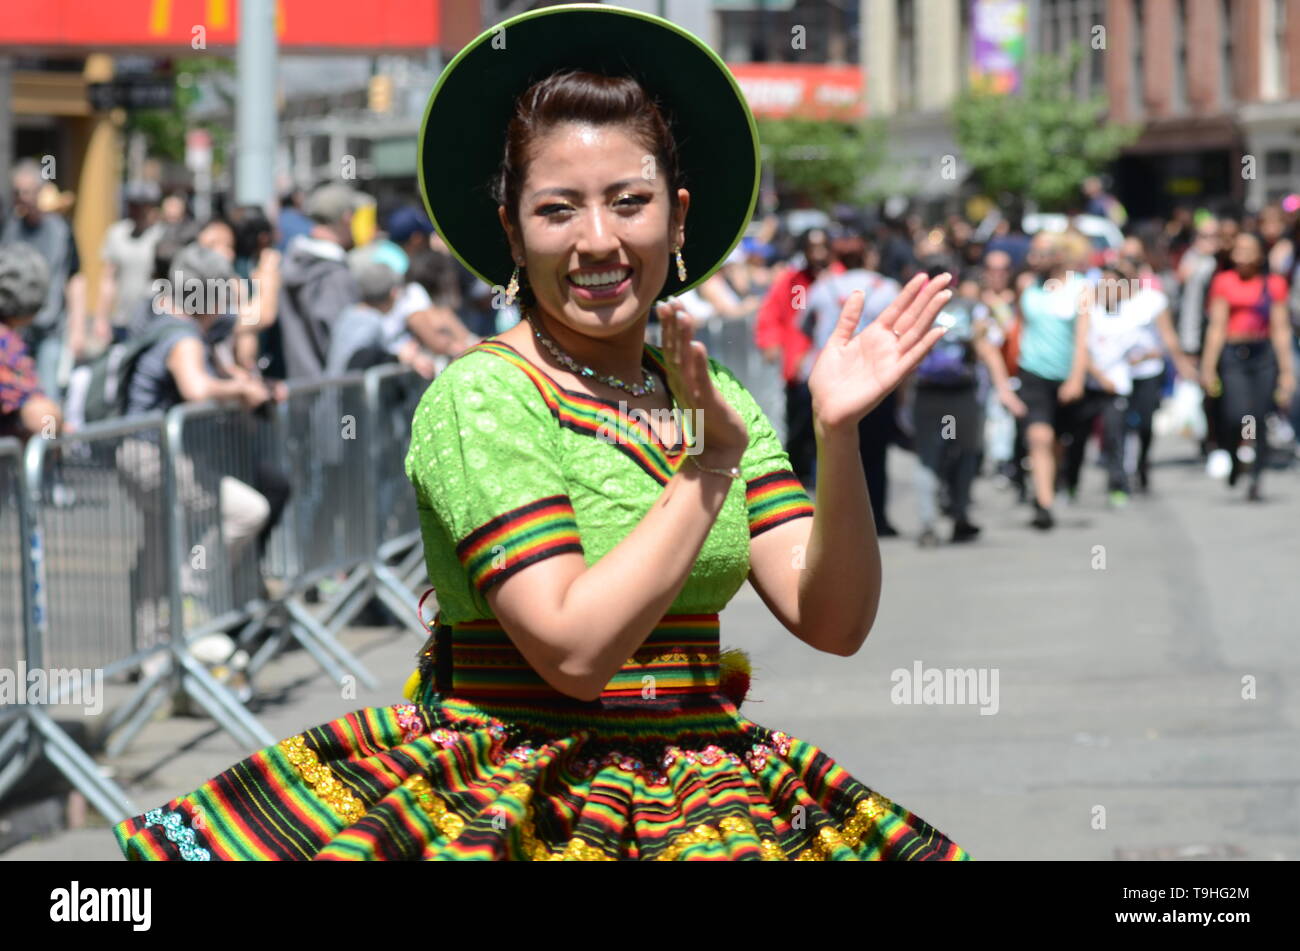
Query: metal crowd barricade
[[27, 730], [392, 395], [13, 551], [104, 502], [323, 435], [731, 342]]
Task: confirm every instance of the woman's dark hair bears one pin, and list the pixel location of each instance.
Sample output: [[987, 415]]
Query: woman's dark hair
[[850, 250], [436, 273], [174, 237], [580, 96], [806, 239], [250, 225]]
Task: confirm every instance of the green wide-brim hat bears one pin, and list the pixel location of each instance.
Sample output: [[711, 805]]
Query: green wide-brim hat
[[462, 138]]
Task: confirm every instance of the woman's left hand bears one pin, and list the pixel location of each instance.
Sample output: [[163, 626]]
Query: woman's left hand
[[853, 374]]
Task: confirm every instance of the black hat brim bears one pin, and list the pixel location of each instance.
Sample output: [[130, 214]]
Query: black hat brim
[[462, 137]]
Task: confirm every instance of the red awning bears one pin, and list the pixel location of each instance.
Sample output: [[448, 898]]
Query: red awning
[[170, 26]]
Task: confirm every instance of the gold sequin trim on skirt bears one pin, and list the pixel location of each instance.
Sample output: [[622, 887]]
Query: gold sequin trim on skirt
[[867, 812], [865, 816], [448, 823], [328, 789]]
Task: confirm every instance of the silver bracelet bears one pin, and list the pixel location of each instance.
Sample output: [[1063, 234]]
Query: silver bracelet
[[732, 471]]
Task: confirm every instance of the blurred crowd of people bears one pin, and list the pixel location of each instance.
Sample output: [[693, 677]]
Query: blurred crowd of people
[[1053, 338], [305, 300]]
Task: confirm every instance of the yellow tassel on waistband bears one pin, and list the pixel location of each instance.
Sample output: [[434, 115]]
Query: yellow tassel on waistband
[[734, 675], [412, 686]]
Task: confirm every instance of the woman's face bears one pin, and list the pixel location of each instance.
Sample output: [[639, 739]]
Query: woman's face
[[1044, 253], [218, 237], [1271, 223], [1246, 252], [997, 270], [593, 208], [1228, 231]]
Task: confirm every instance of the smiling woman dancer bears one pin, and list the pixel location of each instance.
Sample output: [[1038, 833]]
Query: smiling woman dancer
[[570, 703]]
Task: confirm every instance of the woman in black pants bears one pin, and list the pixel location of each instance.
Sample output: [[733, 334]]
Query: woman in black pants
[[1248, 355]]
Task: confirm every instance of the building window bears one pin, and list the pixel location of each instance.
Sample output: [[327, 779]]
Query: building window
[[1097, 58], [1180, 56], [1226, 63], [1137, 81], [320, 150], [1283, 85], [761, 33], [906, 55]]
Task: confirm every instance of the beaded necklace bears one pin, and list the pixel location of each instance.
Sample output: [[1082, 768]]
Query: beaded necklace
[[567, 361]]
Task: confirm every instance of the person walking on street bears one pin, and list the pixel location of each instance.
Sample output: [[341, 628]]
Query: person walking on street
[[829, 294], [778, 333], [1053, 361], [947, 415], [1248, 356]]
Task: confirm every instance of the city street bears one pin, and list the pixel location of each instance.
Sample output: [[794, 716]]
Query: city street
[[1120, 729]]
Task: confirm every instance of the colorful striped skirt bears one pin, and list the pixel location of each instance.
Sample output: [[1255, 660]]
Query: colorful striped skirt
[[487, 761]]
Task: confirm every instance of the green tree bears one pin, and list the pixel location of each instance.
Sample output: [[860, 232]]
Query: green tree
[[164, 129], [1042, 143], [822, 160]]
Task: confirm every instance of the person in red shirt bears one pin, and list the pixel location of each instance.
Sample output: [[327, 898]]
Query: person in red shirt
[[779, 335], [1247, 355]]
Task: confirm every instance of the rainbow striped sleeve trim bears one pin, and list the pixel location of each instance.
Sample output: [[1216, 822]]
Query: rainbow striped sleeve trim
[[497, 549], [775, 499]]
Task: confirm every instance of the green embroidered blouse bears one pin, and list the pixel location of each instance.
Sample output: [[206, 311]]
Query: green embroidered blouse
[[510, 468]]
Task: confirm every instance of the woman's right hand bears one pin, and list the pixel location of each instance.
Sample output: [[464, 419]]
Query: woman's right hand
[[721, 436]]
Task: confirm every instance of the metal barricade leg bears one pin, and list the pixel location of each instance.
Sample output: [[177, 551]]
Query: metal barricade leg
[[80, 769], [413, 570], [344, 604], [17, 753], [136, 713], [316, 638], [397, 597], [222, 705]]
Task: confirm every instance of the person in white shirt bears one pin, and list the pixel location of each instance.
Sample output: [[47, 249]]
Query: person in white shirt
[[1130, 331]]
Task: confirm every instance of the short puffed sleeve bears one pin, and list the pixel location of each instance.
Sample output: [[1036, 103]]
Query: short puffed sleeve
[[486, 466], [773, 493]]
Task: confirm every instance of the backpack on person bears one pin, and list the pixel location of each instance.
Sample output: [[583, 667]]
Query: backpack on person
[[952, 360], [99, 390]]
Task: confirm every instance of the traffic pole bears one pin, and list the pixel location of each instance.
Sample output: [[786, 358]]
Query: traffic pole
[[255, 109]]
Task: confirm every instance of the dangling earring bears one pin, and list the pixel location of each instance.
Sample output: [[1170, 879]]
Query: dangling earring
[[512, 288], [681, 265]]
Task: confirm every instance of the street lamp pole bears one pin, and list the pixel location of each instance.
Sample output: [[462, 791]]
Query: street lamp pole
[[255, 111]]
